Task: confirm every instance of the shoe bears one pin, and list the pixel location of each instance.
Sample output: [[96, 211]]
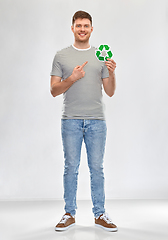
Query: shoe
[[66, 222], [105, 222]]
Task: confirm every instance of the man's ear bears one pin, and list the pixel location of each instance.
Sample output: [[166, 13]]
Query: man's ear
[[72, 28]]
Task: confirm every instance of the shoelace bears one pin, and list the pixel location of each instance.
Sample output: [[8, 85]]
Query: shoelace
[[106, 218], [64, 219]]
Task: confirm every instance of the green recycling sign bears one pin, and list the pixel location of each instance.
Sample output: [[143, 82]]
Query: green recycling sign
[[103, 52]]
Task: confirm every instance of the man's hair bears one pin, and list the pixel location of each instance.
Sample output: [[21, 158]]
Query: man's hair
[[81, 14]]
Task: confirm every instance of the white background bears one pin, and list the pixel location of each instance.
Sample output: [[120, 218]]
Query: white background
[[31, 157]]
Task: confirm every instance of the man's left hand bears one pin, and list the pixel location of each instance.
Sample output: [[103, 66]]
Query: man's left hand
[[111, 65]]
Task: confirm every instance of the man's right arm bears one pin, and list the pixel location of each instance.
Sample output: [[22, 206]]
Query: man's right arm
[[58, 87]]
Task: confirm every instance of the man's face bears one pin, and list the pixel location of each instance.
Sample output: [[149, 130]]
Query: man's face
[[82, 29]]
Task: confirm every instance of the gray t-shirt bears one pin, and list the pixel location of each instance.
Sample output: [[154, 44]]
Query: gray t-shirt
[[83, 100]]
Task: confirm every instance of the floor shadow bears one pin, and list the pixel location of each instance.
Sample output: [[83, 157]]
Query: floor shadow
[[91, 233]]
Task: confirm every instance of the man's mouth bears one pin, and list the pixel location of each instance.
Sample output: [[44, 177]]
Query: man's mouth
[[82, 34]]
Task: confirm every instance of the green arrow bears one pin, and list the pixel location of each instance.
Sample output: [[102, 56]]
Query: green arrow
[[101, 47], [109, 54], [106, 47], [101, 58], [98, 53]]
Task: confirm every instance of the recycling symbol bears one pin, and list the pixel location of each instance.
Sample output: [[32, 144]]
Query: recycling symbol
[[103, 53]]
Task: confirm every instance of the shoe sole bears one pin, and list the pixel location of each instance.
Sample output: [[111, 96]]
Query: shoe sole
[[65, 228], [107, 229]]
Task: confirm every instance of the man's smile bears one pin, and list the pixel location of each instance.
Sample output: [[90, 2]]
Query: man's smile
[[82, 34]]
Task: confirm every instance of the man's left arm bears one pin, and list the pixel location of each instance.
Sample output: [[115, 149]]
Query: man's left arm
[[109, 84]]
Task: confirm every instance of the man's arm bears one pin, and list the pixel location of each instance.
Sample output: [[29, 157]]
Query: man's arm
[[109, 84], [58, 87]]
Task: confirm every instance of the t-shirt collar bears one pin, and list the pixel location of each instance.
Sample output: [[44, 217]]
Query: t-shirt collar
[[79, 49]]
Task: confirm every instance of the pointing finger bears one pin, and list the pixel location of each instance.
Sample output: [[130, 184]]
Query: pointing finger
[[84, 64]]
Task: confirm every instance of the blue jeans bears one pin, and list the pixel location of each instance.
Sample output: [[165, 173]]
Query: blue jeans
[[93, 132]]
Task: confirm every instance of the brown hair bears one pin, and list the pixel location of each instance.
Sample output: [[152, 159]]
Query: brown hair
[[81, 14]]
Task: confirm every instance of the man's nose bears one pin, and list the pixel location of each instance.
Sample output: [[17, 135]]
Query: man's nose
[[82, 28]]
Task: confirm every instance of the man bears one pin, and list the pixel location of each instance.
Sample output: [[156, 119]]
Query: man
[[79, 75]]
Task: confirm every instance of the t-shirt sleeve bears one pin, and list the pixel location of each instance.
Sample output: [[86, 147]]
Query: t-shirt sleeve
[[105, 72], [56, 67]]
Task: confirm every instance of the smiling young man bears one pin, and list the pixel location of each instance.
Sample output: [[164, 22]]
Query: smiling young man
[[79, 75]]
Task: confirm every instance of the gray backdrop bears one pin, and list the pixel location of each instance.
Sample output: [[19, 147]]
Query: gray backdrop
[[31, 157]]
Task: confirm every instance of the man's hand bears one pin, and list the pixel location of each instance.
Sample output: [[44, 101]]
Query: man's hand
[[78, 72], [58, 87], [111, 65]]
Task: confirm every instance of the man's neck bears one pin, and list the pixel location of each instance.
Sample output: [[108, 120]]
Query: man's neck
[[81, 45]]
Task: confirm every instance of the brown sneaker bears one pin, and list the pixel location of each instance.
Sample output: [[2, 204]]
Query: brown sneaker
[[66, 222], [105, 222]]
